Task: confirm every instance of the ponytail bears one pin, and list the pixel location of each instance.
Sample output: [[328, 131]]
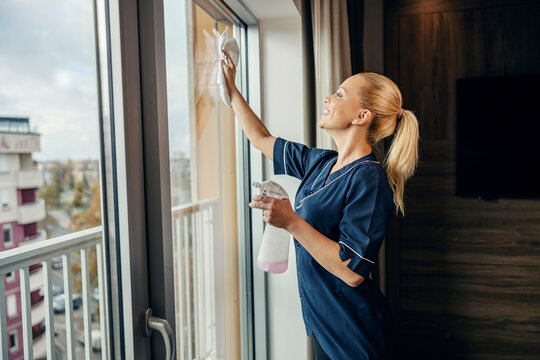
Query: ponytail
[[382, 96], [402, 157]]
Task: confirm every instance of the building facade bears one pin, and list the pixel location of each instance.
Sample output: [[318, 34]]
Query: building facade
[[20, 212]]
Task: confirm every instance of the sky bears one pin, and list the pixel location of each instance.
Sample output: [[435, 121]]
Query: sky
[[48, 73]]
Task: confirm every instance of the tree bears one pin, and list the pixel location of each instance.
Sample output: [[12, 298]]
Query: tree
[[91, 217], [51, 195], [78, 195]]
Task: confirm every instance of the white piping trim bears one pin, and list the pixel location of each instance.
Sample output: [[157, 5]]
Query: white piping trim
[[313, 184], [341, 242], [324, 187], [284, 152]]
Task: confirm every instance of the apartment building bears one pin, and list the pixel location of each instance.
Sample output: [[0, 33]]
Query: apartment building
[[20, 213]]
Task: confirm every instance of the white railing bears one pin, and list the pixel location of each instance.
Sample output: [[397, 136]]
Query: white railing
[[198, 264], [22, 257]]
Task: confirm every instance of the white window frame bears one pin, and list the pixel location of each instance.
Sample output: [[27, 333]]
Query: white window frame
[[5, 198], [11, 300], [8, 227], [10, 276], [14, 348], [4, 164]]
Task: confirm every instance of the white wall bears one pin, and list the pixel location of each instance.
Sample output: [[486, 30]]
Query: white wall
[[282, 112]]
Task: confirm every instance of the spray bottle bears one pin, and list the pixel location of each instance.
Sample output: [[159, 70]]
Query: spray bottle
[[274, 251]]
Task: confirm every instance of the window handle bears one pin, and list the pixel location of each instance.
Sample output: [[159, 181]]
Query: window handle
[[161, 325]]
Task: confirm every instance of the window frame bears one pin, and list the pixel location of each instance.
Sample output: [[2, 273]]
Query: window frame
[[16, 312], [9, 228], [15, 348], [10, 277], [5, 195], [132, 74], [4, 163]]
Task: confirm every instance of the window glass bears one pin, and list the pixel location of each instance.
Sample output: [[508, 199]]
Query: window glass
[[13, 341], [8, 238], [202, 150], [3, 162], [11, 305], [49, 134], [5, 198]]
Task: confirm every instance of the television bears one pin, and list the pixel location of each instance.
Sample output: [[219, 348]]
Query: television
[[498, 137]]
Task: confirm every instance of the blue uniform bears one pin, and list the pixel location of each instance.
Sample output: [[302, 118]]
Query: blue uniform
[[351, 206]]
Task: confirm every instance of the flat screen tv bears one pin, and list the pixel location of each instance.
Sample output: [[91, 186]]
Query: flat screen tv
[[498, 137]]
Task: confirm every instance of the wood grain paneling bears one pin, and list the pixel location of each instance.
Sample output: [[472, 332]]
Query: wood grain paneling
[[415, 7], [465, 279]]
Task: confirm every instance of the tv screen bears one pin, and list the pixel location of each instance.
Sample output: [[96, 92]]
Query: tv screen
[[498, 137]]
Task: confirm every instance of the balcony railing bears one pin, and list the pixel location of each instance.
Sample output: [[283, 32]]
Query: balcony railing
[[29, 178], [199, 287], [32, 212], [21, 258]]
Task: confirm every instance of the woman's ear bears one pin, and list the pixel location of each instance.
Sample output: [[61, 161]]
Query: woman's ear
[[362, 117]]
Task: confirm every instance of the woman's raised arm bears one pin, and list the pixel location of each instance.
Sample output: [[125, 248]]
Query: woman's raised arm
[[253, 127]]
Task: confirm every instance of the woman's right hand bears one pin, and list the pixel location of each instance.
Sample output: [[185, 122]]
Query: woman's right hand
[[229, 72]]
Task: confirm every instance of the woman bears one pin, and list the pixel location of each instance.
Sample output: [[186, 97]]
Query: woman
[[342, 208]]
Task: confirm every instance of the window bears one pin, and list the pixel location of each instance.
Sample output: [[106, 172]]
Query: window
[[4, 163], [202, 148], [11, 304], [10, 276], [13, 341], [5, 198], [8, 235], [53, 127]]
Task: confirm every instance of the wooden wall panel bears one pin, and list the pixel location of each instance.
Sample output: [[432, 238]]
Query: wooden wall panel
[[467, 280]]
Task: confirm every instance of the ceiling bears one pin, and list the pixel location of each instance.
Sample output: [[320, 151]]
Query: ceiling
[[269, 9]]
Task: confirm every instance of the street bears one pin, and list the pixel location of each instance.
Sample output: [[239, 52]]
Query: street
[[60, 322]]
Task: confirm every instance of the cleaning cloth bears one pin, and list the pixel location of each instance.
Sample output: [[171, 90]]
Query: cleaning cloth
[[231, 47]]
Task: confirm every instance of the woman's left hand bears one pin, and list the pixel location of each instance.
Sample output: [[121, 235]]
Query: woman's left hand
[[276, 212]]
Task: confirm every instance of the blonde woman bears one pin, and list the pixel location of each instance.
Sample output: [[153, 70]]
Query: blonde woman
[[342, 208]]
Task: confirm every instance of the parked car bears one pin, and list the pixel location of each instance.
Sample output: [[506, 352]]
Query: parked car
[[57, 291], [96, 340], [77, 301], [59, 302]]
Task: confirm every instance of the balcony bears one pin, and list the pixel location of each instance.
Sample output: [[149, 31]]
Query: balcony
[[38, 313], [41, 344], [19, 143], [41, 235], [32, 212], [29, 178], [40, 347]]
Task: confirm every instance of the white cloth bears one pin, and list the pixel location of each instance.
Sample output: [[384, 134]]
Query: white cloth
[[231, 47]]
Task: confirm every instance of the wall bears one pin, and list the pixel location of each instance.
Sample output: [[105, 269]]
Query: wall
[[282, 102], [464, 274]]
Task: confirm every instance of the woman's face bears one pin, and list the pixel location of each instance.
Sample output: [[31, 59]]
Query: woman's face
[[342, 107]]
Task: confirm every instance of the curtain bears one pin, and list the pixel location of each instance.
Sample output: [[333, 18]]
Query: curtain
[[332, 56]]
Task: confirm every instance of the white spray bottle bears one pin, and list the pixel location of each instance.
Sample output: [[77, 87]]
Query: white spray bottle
[[274, 251]]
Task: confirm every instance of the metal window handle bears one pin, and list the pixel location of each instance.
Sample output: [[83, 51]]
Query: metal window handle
[[161, 325]]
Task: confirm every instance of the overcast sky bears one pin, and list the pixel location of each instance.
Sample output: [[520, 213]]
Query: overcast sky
[[48, 73]]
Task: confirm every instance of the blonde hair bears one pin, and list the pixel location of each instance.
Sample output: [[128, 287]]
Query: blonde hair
[[381, 96]]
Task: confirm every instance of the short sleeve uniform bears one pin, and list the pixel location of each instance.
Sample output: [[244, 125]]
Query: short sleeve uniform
[[352, 208]]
